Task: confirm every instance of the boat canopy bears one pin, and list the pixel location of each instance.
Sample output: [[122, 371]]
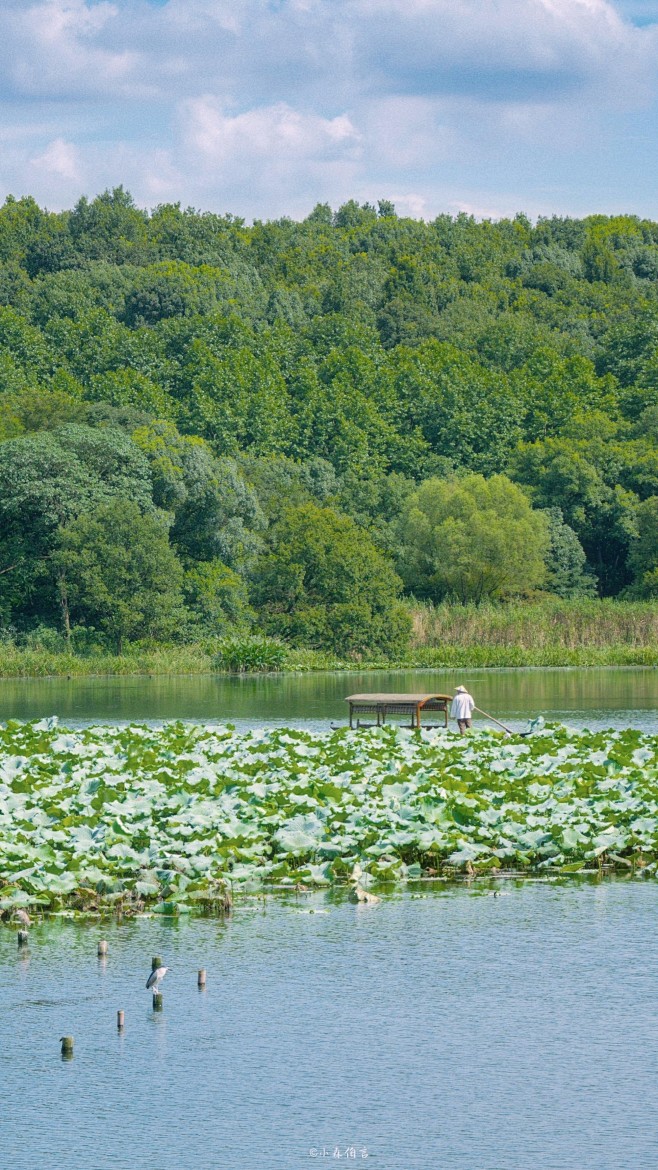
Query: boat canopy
[[381, 706]]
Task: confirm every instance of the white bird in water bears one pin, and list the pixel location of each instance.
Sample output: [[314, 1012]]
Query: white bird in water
[[23, 917], [155, 979], [357, 893]]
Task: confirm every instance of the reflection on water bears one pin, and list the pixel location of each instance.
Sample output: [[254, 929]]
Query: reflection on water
[[449, 1029], [593, 697]]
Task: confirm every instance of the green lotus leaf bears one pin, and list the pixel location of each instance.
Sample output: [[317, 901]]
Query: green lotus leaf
[[92, 876], [10, 900], [145, 809]]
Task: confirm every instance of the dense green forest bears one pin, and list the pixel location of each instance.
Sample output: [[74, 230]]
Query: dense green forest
[[209, 427]]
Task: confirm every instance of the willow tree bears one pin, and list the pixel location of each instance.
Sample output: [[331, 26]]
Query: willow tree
[[472, 539]]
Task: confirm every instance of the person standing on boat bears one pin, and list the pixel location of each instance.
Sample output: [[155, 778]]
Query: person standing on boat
[[462, 709]]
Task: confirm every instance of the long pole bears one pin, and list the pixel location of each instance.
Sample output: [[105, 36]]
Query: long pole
[[507, 729]]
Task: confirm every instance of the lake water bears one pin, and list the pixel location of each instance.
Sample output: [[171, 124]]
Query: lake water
[[439, 1030], [610, 697]]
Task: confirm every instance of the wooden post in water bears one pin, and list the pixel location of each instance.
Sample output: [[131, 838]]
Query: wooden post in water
[[102, 949], [23, 938], [67, 1047], [158, 1001], [201, 980], [120, 1021], [156, 962]]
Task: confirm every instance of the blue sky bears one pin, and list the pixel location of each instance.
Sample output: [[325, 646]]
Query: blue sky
[[265, 107]]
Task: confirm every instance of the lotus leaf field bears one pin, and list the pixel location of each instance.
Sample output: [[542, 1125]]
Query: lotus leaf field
[[166, 818]]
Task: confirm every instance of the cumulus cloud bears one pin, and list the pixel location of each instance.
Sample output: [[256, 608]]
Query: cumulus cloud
[[274, 153], [276, 132], [60, 159], [271, 106], [55, 48]]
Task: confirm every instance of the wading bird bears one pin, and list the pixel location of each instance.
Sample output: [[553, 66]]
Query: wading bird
[[23, 917], [155, 979]]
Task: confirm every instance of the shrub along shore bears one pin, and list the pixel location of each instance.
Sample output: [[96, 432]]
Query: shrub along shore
[[169, 819], [550, 633]]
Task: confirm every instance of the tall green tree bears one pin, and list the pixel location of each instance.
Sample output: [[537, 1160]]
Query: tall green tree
[[643, 558], [567, 474], [118, 573], [323, 583], [216, 599], [464, 412], [48, 479], [567, 572], [472, 539], [217, 514]]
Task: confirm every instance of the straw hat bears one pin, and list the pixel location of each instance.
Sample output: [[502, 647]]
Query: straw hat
[[461, 689]]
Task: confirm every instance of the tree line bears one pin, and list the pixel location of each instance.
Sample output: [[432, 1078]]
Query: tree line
[[208, 426]]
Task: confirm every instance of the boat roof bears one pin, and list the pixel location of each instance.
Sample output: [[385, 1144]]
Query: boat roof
[[389, 698]]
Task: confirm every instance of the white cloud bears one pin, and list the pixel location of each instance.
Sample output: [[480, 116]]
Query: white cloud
[[493, 210], [411, 204], [59, 159], [271, 153], [55, 48], [271, 132]]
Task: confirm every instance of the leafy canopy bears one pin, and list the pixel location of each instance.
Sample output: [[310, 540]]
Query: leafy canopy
[[119, 572], [472, 539], [323, 583]]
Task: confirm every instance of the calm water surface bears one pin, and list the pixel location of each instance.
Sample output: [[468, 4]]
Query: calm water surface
[[609, 697], [449, 1030]]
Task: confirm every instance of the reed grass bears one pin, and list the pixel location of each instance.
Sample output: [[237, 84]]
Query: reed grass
[[16, 662], [447, 656], [548, 626]]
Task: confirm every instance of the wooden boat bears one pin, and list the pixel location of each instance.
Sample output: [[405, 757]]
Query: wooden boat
[[382, 707]]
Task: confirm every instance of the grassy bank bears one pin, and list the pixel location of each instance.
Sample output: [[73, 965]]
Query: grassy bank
[[169, 819], [546, 633], [194, 660]]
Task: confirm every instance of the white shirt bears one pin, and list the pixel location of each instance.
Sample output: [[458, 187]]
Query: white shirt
[[462, 706]]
